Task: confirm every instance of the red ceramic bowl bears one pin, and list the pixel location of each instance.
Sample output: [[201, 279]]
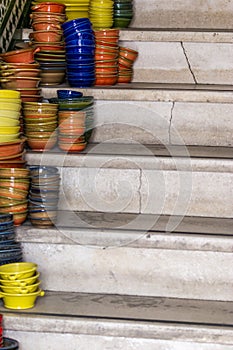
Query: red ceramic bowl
[[29, 91], [31, 98], [107, 33], [21, 72], [20, 56], [76, 147]]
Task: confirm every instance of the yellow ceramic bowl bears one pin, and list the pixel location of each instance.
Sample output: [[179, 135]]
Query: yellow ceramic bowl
[[10, 100], [4, 130], [4, 121], [17, 271], [20, 301], [10, 106], [8, 137], [21, 282], [21, 290], [9, 94], [9, 114]]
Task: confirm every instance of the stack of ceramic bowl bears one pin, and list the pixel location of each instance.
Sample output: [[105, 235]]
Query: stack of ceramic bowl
[[80, 51], [43, 195], [123, 13], [14, 192], [126, 60], [40, 124], [22, 81], [19, 285], [106, 56], [101, 13], [47, 18], [76, 116], [10, 250]]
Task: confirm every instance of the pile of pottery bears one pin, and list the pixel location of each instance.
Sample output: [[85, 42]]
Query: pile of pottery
[[123, 13], [10, 250], [19, 285], [47, 34], [75, 118], [126, 60], [80, 51], [101, 13], [21, 73], [40, 124], [106, 56], [43, 195], [13, 193]]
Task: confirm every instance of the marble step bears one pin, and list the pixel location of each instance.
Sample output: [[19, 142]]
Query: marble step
[[161, 114], [173, 56], [180, 257], [133, 178], [183, 14], [111, 322]]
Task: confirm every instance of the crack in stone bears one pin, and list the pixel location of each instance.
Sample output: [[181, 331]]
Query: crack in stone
[[139, 191], [170, 123], [189, 65]]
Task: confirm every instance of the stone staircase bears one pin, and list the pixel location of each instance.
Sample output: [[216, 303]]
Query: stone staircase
[[141, 255]]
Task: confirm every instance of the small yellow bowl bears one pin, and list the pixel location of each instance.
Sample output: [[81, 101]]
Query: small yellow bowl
[[4, 121], [8, 137], [17, 271], [10, 106], [20, 283], [21, 290], [20, 301], [4, 93], [9, 114], [10, 100], [9, 129]]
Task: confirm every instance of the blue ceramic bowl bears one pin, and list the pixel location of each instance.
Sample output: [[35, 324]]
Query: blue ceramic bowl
[[67, 94], [80, 50], [75, 34], [36, 170], [81, 68], [4, 217], [6, 226], [76, 23], [81, 75], [77, 59], [80, 42], [9, 344], [81, 83]]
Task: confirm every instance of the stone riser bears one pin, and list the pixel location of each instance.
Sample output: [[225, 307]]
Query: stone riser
[[172, 273], [176, 123], [85, 342], [146, 191], [183, 62], [182, 14]]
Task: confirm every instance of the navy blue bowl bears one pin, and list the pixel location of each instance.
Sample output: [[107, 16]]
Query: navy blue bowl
[[80, 50], [79, 69], [76, 34], [82, 24], [80, 60], [66, 94], [81, 83], [6, 226], [81, 75], [81, 42], [5, 217]]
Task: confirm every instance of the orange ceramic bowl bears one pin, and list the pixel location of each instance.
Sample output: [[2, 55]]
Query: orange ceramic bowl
[[124, 62], [106, 70], [76, 147], [42, 144], [44, 25], [21, 72], [17, 173], [102, 56], [20, 66], [13, 193], [106, 79], [46, 35], [20, 56], [31, 98], [107, 33], [14, 207], [8, 149], [19, 82], [51, 16], [52, 46], [12, 164], [19, 218], [16, 183], [29, 91], [128, 53], [49, 7]]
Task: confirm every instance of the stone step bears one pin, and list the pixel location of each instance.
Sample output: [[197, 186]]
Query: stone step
[[161, 114], [215, 14], [113, 322], [171, 56], [143, 180], [180, 257]]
